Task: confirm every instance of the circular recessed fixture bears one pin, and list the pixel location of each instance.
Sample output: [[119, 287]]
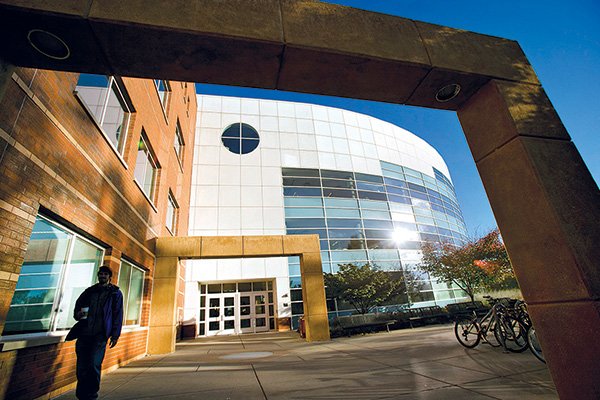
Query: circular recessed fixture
[[240, 138], [48, 44], [447, 93]]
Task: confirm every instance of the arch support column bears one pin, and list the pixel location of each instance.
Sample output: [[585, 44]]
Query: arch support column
[[313, 295], [547, 206], [163, 308]]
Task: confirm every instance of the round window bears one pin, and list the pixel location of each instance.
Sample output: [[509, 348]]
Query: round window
[[240, 138]]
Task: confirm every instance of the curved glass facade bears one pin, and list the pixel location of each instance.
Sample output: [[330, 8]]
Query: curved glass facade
[[364, 218]]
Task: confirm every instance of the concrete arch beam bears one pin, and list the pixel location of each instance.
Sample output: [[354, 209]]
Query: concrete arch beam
[[546, 203]]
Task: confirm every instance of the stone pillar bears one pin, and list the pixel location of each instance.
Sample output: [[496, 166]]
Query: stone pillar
[[547, 206], [163, 308], [313, 295]]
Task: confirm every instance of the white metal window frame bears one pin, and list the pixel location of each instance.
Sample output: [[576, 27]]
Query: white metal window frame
[[126, 300], [164, 96], [172, 214], [112, 82], [150, 161], [60, 286], [179, 143]]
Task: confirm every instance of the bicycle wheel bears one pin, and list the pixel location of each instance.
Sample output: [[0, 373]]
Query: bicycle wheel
[[534, 345], [511, 333], [466, 331]]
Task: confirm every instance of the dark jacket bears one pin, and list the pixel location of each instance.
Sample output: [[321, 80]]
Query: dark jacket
[[112, 311]]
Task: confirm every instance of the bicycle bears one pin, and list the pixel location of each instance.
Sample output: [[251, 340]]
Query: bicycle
[[470, 329], [514, 325], [532, 343]]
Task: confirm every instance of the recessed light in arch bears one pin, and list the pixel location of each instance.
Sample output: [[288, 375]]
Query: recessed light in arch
[[48, 44], [447, 93]]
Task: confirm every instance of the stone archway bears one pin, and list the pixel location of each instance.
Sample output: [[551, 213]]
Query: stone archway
[[546, 203], [170, 250]]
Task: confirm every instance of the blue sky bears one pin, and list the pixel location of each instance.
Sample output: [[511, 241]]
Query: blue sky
[[562, 42]]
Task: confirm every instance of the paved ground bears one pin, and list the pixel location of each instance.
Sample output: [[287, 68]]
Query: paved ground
[[422, 363]]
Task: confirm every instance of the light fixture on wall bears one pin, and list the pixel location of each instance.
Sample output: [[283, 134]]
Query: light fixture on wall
[[48, 44], [447, 93]]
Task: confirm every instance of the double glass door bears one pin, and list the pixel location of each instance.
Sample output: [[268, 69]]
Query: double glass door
[[221, 314], [232, 313]]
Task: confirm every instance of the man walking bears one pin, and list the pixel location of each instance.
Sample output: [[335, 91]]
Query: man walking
[[101, 306]]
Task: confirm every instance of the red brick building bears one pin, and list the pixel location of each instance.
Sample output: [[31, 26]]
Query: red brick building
[[92, 169]]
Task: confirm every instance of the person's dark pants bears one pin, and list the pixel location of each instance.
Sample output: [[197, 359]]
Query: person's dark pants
[[90, 353]]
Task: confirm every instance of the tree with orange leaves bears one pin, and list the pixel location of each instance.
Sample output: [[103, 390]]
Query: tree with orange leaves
[[477, 265]]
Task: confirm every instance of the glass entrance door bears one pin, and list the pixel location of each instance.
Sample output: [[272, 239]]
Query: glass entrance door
[[221, 314], [254, 312], [236, 307]]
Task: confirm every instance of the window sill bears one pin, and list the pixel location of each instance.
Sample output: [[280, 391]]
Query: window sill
[[145, 195], [133, 328], [33, 340], [26, 342]]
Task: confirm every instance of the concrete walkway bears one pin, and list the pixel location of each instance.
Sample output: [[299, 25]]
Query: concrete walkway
[[423, 363]]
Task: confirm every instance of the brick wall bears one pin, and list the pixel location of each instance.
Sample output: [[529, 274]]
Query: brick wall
[[54, 159]]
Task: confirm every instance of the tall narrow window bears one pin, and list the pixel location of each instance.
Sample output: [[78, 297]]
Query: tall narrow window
[[131, 283], [164, 92], [105, 99], [59, 265], [178, 143], [146, 167], [172, 214]]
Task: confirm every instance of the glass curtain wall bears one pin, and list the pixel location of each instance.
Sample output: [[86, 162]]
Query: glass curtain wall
[[364, 218]]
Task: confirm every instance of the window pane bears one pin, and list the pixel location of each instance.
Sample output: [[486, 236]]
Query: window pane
[[305, 223], [371, 187], [344, 223], [134, 300], [79, 275], [375, 214], [249, 145], [92, 90], [343, 203], [301, 191], [46, 258], [124, 280], [178, 141], [303, 202], [350, 244], [339, 193], [342, 213], [301, 182], [115, 119], [335, 183], [300, 172], [372, 196], [38, 282], [145, 168], [304, 212], [232, 145], [249, 132], [368, 178], [337, 174], [321, 232]]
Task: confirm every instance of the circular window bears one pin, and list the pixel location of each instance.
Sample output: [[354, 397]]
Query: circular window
[[240, 138]]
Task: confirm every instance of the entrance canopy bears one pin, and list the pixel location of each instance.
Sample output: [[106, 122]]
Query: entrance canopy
[[170, 250]]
